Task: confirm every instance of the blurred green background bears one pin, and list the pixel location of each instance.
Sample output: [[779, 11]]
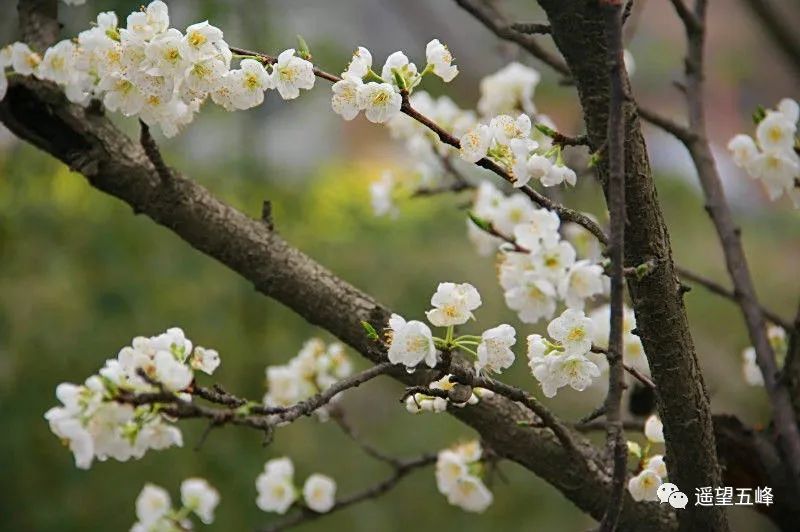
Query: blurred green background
[[80, 275]]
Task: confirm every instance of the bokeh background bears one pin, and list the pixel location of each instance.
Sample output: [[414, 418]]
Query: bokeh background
[[80, 275]]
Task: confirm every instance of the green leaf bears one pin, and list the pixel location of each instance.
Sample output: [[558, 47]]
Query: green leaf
[[302, 48], [372, 334], [759, 114], [480, 222]]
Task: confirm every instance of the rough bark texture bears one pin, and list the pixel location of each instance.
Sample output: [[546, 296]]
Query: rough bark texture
[[657, 298], [90, 144]]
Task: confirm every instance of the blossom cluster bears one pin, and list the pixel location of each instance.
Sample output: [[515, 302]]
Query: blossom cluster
[[313, 370], [412, 343], [632, 350], [155, 72], [568, 361], [379, 95], [750, 370], [533, 280], [773, 156], [277, 491], [155, 512], [421, 402], [94, 424], [458, 476], [652, 470]]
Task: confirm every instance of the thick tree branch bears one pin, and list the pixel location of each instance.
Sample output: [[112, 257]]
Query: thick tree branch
[[38, 112], [578, 31], [730, 239]]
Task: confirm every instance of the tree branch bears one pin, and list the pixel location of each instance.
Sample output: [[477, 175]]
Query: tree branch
[[401, 470], [578, 31], [730, 239], [38, 112]]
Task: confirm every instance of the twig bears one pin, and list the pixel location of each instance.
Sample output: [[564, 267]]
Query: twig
[[492, 19], [615, 435], [307, 407], [401, 470], [153, 153], [718, 289], [635, 373], [729, 236], [531, 28], [467, 376], [565, 213], [632, 425], [338, 416]]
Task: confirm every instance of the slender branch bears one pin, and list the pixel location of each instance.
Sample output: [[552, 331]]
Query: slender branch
[[339, 417], [718, 289], [492, 19], [531, 28], [594, 425], [465, 375], [790, 374], [565, 213], [730, 239], [401, 470], [615, 437], [153, 153], [307, 407]]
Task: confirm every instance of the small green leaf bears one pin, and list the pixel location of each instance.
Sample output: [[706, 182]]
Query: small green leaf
[[759, 114], [546, 130], [480, 222], [635, 449], [399, 79], [372, 334], [302, 48]]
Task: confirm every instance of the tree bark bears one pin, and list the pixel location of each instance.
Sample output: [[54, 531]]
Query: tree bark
[[662, 324]]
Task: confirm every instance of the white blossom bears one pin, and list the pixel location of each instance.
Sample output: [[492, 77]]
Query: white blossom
[[247, 85], [475, 143], [744, 150], [345, 97], [470, 494], [200, 497], [319, 493], [653, 429], [171, 373], [494, 350], [291, 73], [657, 465], [58, 64], [453, 304], [574, 330], [381, 194], [439, 59], [643, 487], [509, 89], [582, 281], [359, 65], [380, 101], [275, 486], [24, 60], [205, 360], [412, 343], [400, 63], [152, 504], [776, 132], [750, 370]]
